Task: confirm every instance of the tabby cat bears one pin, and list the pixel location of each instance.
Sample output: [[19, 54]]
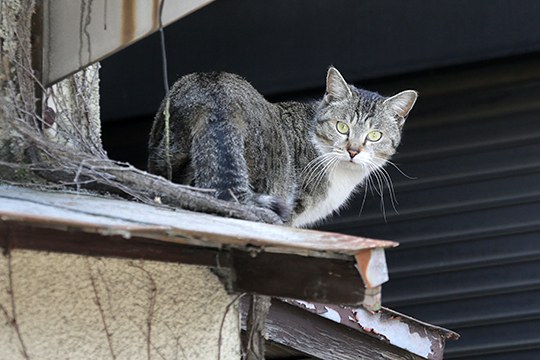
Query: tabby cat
[[302, 160]]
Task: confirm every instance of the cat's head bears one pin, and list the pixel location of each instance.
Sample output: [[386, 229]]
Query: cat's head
[[358, 128]]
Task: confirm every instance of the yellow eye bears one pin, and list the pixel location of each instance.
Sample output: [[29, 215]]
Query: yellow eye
[[342, 128], [374, 135]]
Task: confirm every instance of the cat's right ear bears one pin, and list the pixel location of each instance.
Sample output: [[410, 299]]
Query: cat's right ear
[[401, 104], [336, 87]]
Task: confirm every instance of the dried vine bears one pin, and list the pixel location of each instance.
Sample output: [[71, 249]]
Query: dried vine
[[254, 343], [60, 144], [12, 319], [99, 305]]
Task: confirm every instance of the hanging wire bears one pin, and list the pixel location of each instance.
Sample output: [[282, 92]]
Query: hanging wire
[[163, 49], [166, 113]]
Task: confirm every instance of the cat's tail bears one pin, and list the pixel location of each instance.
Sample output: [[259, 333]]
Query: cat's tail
[[218, 159], [217, 154]]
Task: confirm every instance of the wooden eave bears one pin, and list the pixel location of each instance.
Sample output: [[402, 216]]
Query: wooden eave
[[334, 332], [250, 257]]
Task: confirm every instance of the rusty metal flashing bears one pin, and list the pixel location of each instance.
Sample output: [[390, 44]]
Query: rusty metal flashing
[[70, 35], [419, 338], [259, 258]]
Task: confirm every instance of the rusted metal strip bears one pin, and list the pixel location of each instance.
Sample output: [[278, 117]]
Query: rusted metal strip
[[74, 34]]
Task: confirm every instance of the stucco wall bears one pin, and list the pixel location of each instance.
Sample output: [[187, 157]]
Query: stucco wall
[[77, 307], [59, 306]]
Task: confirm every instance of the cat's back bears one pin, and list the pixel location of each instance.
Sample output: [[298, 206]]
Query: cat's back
[[219, 88]]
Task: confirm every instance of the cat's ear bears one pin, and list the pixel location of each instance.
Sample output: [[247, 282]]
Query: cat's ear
[[336, 87], [401, 104]]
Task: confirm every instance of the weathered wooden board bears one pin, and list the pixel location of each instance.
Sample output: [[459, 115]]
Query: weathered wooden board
[[127, 218], [416, 337], [254, 257], [337, 332]]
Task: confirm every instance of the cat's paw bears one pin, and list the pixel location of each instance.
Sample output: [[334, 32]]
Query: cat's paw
[[265, 215], [275, 204], [269, 209]]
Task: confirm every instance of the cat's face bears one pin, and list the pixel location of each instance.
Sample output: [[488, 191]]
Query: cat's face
[[359, 129]]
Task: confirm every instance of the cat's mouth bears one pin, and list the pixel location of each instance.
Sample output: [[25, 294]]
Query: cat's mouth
[[351, 163], [352, 158]]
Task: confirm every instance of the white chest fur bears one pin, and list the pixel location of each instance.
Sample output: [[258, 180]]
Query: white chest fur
[[342, 182]]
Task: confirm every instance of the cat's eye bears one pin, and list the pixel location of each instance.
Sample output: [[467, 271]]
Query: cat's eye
[[342, 128], [374, 135]]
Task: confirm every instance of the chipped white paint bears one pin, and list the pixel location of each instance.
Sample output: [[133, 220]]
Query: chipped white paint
[[307, 305], [331, 314], [58, 299], [398, 333]]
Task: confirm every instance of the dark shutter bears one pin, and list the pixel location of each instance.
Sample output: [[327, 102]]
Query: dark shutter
[[469, 223]]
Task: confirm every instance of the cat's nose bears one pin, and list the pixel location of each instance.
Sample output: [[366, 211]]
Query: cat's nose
[[353, 152]]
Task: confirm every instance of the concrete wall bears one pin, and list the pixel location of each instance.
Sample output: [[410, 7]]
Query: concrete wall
[[77, 307]]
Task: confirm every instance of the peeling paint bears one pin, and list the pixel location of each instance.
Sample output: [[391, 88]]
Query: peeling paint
[[306, 304], [416, 337], [331, 314], [397, 332]]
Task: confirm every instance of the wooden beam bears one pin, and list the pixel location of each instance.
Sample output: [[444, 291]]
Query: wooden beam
[[251, 271], [425, 340], [338, 332], [335, 280], [322, 338]]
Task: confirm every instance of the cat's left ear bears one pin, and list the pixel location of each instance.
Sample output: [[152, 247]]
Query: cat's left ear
[[401, 104]]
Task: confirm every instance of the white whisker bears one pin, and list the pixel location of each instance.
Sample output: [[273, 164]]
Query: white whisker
[[324, 171], [366, 189], [398, 169], [315, 168], [382, 178], [312, 167]]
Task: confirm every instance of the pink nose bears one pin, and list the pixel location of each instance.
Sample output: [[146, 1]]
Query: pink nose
[[353, 152]]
